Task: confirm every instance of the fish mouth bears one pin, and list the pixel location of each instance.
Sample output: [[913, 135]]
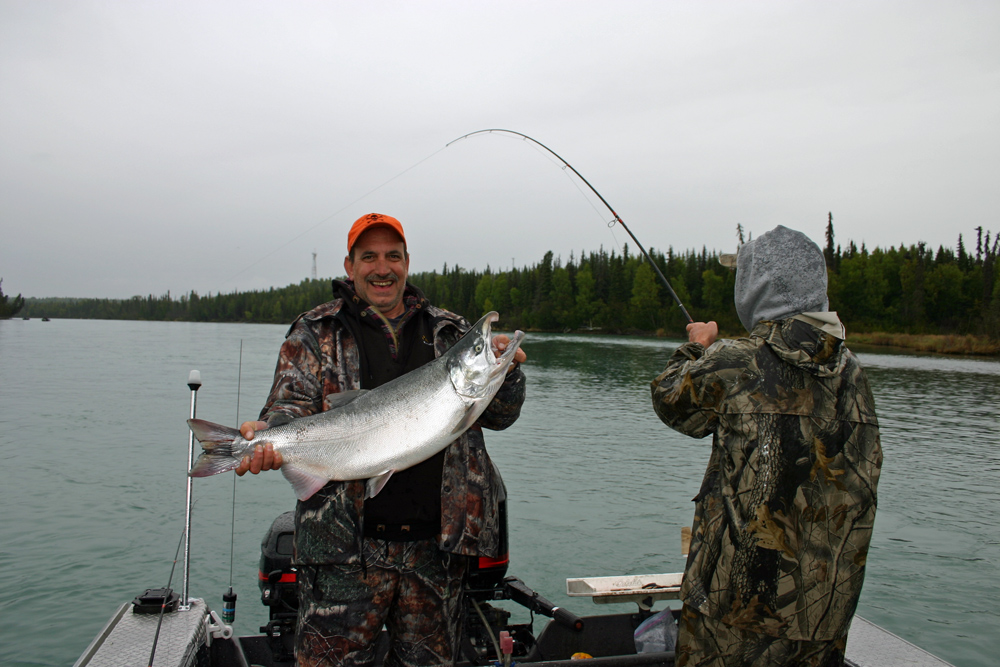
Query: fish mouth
[[507, 356]]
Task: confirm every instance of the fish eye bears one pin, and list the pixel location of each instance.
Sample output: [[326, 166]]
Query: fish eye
[[478, 348]]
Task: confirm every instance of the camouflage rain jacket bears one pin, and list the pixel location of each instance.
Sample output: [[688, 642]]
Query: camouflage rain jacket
[[784, 516], [319, 359]]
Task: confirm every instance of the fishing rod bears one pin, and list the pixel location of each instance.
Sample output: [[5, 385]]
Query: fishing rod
[[166, 598], [603, 200]]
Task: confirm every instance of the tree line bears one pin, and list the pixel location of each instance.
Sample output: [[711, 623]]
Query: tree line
[[9, 308], [909, 289]]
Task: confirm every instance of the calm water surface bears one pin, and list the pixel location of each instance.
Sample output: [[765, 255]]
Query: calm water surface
[[94, 442]]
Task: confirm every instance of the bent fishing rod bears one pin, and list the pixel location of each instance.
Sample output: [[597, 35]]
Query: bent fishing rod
[[603, 200]]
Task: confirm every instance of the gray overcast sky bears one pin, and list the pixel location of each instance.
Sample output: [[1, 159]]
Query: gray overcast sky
[[213, 146]]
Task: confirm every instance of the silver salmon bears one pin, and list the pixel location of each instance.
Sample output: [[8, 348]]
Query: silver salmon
[[372, 434]]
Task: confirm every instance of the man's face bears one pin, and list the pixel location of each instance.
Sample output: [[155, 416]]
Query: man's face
[[379, 269]]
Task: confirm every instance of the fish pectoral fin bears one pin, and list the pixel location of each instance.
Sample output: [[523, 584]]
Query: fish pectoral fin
[[467, 421], [377, 483], [303, 481]]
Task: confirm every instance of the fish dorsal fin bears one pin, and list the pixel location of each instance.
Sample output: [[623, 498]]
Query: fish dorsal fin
[[342, 398], [377, 483], [304, 482]]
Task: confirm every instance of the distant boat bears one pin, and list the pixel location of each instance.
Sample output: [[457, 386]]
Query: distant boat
[[44, 319]]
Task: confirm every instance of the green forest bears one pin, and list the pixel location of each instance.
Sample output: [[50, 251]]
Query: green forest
[[911, 289], [9, 307]]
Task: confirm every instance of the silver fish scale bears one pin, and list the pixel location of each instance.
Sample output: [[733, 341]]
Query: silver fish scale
[[411, 425], [391, 428]]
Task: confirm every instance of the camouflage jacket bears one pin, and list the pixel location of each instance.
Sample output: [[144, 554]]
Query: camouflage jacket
[[319, 359], [784, 516]]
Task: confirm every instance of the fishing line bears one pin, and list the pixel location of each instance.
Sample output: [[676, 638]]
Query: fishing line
[[330, 217], [566, 165], [232, 536], [604, 201], [589, 200], [576, 184], [229, 597], [166, 599]]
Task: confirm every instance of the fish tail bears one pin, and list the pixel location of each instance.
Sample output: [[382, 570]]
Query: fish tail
[[217, 442]]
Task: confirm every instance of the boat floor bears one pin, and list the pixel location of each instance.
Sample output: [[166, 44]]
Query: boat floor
[[186, 637]]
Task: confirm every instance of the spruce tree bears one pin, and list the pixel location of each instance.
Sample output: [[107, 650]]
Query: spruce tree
[[828, 251], [9, 308]]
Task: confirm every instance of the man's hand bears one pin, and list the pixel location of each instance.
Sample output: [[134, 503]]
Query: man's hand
[[703, 332], [264, 457], [500, 343]]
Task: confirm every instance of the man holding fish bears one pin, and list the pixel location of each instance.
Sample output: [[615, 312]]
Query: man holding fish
[[784, 516], [391, 550]]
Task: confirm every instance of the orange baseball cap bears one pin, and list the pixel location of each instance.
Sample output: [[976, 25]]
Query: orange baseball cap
[[370, 220]]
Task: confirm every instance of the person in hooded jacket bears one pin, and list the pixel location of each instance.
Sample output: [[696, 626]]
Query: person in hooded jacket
[[397, 559], [784, 516]]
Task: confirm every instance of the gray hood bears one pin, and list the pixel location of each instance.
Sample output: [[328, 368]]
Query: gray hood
[[779, 274]]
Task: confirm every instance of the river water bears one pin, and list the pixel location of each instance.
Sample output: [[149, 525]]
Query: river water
[[94, 445]]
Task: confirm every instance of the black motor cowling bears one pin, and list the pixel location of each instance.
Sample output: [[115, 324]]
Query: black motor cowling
[[486, 575], [278, 589], [276, 551]]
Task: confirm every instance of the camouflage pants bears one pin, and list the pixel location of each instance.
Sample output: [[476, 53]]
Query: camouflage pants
[[707, 642], [410, 587]]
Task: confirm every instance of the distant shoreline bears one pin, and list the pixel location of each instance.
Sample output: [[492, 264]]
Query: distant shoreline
[[949, 344], [967, 345]]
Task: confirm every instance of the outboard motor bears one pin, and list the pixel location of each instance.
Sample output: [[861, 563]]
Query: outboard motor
[[486, 575], [486, 581], [278, 589], [277, 580]]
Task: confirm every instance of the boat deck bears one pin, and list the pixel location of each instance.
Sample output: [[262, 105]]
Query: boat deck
[[868, 645], [127, 638]]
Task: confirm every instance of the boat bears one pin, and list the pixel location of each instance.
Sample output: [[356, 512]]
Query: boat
[[163, 627], [196, 634]]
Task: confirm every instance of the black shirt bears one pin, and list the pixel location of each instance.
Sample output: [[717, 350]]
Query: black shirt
[[409, 506]]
